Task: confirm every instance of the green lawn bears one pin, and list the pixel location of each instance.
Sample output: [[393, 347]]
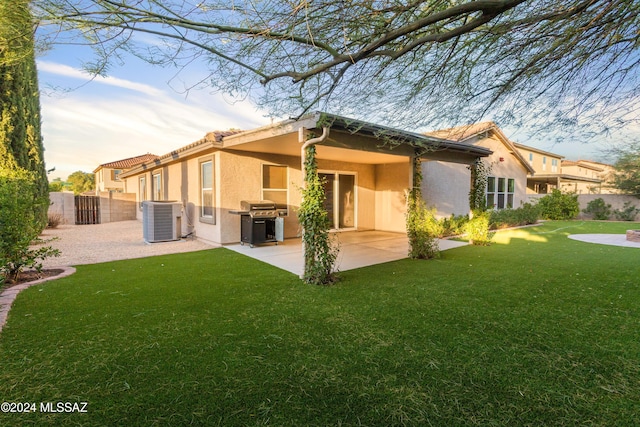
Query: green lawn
[[536, 329]]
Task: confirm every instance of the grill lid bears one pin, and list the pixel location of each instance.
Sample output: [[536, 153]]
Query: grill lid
[[257, 205]]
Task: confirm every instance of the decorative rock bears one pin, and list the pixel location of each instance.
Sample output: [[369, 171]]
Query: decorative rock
[[633, 235]]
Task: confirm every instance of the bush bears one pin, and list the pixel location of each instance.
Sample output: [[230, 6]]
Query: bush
[[20, 225], [54, 220], [599, 209], [423, 230], [454, 225], [628, 212], [524, 215], [559, 206], [477, 228]]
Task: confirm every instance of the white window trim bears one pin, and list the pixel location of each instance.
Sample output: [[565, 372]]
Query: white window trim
[[210, 219], [262, 188], [156, 186]]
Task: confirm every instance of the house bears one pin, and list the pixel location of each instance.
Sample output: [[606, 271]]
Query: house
[[553, 172], [107, 175], [446, 186], [367, 167], [602, 172]]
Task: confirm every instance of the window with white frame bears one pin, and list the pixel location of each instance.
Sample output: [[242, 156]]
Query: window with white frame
[[156, 186], [143, 189], [206, 191], [554, 165], [544, 163], [531, 158], [274, 184], [500, 192]]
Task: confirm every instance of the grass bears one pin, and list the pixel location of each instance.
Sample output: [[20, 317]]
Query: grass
[[536, 329]]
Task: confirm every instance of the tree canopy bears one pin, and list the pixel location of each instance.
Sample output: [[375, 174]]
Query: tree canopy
[[21, 145], [81, 182], [627, 166], [407, 63]]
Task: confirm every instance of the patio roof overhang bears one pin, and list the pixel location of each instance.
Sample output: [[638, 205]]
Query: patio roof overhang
[[375, 144], [555, 178]]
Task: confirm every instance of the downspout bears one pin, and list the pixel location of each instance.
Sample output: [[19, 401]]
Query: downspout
[[305, 145], [303, 156]]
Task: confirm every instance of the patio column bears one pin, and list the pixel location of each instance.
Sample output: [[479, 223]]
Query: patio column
[[302, 135]]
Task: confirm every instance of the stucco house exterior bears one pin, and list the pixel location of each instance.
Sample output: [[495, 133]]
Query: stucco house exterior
[[367, 167], [597, 178], [107, 175], [552, 171], [446, 186]]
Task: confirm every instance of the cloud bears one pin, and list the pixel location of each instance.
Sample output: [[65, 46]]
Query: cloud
[[74, 73], [82, 131]]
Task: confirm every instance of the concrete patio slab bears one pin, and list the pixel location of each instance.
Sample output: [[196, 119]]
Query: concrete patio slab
[[357, 249], [606, 239]]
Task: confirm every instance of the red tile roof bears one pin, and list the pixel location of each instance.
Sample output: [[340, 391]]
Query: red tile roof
[[129, 163]]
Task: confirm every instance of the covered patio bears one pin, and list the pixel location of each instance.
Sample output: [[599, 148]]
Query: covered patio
[[357, 249]]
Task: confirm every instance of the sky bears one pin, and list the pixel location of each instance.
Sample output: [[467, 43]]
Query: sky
[[87, 122], [142, 109]]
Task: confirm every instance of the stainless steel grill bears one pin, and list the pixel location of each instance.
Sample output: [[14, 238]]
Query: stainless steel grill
[[260, 222], [259, 208]]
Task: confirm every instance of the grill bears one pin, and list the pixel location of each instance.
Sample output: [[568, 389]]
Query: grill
[[260, 222]]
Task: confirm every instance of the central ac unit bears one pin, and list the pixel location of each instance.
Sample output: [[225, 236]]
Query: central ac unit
[[161, 221]]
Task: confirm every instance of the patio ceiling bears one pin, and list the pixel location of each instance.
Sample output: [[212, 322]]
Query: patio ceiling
[[352, 140]]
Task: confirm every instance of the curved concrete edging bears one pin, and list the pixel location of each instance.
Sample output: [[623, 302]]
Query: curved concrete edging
[[9, 295]]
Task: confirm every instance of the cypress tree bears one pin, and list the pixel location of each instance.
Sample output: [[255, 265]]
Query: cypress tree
[[20, 132]]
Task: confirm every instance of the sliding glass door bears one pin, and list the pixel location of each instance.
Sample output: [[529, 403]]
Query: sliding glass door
[[340, 202]]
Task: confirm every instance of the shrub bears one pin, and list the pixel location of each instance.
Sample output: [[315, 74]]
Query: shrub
[[423, 230], [524, 215], [559, 205], [19, 224], [599, 209], [477, 228], [628, 212], [454, 225], [54, 220]]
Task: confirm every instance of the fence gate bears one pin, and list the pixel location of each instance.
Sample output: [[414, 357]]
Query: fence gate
[[87, 209]]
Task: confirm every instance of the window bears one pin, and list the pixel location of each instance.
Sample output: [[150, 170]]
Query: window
[[491, 192], [156, 186], [500, 196], [554, 165], [115, 174], [143, 190], [206, 191], [274, 185], [544, 163], [531, 158]]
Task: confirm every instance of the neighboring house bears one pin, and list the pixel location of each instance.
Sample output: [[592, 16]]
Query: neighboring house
[[108, 174], [553, 172], [446, 186], [367, 167], [602, 171]]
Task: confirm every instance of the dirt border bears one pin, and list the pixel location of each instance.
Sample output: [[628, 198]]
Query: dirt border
[[9, 295]]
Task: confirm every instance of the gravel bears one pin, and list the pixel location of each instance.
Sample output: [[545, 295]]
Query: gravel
[[90, 244]]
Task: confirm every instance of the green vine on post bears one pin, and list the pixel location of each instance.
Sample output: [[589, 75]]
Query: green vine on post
[[477, 229], [423, 228], [320, 251]]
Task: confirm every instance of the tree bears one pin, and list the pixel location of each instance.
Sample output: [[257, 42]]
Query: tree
[[20, 137], [81, 181], [438, 62], [627, 177]]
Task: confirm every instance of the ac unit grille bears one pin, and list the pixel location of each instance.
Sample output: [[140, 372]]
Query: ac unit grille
[[160, 221]]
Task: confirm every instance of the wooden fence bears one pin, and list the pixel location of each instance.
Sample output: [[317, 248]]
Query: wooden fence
[[87, 209]]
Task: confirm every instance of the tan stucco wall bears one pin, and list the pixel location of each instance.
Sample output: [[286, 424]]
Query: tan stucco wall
[[445, 187], [537, 162], [392, 183], [238, 176]]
